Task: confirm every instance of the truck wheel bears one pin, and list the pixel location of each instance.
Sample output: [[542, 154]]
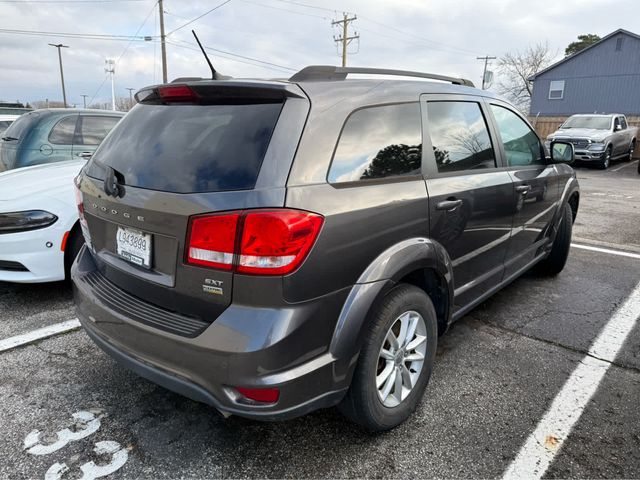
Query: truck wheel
[[395, 362], [555, 262], [632, 147], [606, 161]]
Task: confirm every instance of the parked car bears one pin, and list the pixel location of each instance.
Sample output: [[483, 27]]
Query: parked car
[[598, 139], [39, 231], [274, 247], [5, 121], [54, 135]]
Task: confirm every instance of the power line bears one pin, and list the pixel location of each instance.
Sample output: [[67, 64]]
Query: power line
[[403, 32], [27, 2], [90, 36], [199, 17], [283, 9], [123, 52], [261, 63]]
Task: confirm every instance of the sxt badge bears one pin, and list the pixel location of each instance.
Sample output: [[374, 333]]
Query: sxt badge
[[212, 286]]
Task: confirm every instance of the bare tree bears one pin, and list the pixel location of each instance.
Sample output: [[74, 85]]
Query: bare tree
[[124, 104], [47, 104], [517, 67]]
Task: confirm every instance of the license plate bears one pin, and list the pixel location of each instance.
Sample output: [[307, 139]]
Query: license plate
[[134, 246]]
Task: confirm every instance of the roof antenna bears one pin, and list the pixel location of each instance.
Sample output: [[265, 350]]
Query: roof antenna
[[214, 75]]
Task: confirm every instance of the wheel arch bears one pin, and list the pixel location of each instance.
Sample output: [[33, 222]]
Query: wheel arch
[[417, 261]]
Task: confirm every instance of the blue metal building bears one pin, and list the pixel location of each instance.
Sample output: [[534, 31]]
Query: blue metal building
[[603, 78]]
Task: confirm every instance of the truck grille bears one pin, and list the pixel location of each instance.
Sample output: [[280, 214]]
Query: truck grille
[[580, 143]]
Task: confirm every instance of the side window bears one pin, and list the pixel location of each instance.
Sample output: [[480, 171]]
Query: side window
[[616, 123], [459, 136], [379, 142], [623, 122], [93, 129], [521, 144], [62, 132]]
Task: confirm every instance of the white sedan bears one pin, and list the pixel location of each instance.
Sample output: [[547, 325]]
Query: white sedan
[[39, 231]]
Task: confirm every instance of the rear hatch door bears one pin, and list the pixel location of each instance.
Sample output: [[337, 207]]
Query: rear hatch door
[[230, 148]]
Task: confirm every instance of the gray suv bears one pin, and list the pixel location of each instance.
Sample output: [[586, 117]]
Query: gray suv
[[271, 247]]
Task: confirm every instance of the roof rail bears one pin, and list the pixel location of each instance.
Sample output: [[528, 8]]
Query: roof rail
[[331, 73]]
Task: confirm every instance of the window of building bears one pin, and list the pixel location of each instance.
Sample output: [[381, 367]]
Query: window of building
[[556, 90], [459, 136], [379, 142], [619, 42]]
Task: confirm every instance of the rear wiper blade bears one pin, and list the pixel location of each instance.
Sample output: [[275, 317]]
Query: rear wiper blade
[[9, 139]]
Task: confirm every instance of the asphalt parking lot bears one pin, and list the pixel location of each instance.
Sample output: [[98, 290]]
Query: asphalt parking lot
[[498, 372]]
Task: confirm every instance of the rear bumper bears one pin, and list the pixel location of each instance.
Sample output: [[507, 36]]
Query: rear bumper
[[245, 347]]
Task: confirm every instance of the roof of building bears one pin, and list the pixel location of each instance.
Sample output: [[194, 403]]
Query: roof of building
[[551, 67]]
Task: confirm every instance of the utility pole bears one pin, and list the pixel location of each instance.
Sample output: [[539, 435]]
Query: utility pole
[[344, 38], [130, 97], [64, 93], [486, 59], [162, 43], [84, 100], [111, 69]]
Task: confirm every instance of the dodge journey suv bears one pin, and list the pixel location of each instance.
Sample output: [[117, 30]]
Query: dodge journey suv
[[272, 247]]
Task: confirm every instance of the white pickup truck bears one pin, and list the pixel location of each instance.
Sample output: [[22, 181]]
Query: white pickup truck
[[598, 139]]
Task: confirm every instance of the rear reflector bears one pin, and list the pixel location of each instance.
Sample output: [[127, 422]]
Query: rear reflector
[[177, 93], [260, 242], [262, 395]]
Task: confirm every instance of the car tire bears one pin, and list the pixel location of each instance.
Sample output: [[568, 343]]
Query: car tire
[[72, 248], [555, 262], [606, 161], [363, 403], [632, 148]]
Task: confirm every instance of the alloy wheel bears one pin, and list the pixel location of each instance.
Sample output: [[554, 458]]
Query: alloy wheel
[[401, 358]]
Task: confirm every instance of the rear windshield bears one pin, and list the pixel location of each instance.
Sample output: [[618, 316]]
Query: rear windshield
[[20, 126], [189, 148]]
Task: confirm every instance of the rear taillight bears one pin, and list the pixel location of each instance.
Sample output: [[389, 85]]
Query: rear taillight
[[257, 242], [212, 240], [79, 204]]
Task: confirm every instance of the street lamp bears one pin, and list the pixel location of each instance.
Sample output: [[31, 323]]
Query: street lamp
[[64, 93]]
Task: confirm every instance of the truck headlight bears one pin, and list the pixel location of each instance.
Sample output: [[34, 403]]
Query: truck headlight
[[22, 221], [596, 147]]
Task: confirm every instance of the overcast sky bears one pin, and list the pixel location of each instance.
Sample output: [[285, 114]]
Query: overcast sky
[[430, 35]]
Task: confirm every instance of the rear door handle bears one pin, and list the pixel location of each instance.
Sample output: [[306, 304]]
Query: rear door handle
[[523, 189], [448, 204]]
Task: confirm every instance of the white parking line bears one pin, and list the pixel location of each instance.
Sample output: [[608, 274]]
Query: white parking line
[[545, 442], [621, 253], [623, 166], [39, 334]]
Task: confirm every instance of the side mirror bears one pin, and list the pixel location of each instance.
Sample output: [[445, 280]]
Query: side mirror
[[618, 128], [562, 152]]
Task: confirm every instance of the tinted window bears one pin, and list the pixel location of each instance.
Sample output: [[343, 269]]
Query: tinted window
[[4, 124], [19, 128], [379, 142], [94, 129], [459, 136], [623, 122], [62, 132], [521, 144], [189, 148]]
